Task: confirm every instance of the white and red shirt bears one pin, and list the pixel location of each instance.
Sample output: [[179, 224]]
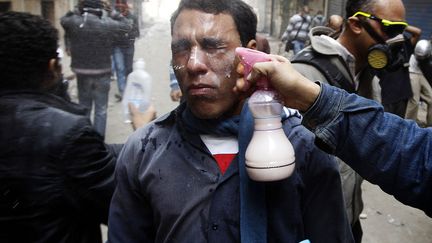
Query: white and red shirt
[[223, 149]]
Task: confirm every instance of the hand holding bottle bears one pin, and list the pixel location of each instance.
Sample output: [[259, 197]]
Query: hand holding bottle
[[138, 118], [294, 90], [269, 155]]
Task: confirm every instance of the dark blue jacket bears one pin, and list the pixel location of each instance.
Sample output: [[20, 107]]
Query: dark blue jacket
[[170, 189]]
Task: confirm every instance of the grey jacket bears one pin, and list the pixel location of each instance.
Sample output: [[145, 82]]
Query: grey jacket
[[339, 56], [351, 181]]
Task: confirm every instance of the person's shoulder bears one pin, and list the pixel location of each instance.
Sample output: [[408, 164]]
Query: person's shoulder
[[67, 120], [295, 18], [132, 15], [69, 18], [62, 124], [300, 137], [308, 155], [160, 127]]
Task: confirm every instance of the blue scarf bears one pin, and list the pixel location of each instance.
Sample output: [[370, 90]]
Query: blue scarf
[[253, 213], [253, 210]]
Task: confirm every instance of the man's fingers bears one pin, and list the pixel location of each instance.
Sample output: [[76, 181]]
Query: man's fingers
[[132, 108]]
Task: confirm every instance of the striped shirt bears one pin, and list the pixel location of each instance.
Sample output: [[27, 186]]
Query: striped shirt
[[298, 24]]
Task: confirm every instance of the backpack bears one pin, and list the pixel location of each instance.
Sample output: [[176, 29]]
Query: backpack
[[329, 67]]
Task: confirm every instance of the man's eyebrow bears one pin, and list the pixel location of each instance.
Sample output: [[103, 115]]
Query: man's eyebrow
[[209, 41], [180, 43]]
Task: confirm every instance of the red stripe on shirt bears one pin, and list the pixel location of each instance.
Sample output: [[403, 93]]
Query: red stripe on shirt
[[224, 160]]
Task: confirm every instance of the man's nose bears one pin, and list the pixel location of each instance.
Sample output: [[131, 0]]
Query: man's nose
[[197, 60]]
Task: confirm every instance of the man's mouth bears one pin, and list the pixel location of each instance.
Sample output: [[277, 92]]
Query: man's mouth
[[200, 90]]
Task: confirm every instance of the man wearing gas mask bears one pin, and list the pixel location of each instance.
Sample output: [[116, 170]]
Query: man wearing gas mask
[[391, 63], [420, 70], [344, 61]]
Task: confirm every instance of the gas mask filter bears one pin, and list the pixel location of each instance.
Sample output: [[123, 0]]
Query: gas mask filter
[[389, 56]]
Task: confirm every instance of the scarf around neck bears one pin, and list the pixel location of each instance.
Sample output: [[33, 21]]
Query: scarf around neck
[[253, 212]]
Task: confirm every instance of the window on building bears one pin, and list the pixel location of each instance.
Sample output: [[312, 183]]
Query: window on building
[[47, 8]]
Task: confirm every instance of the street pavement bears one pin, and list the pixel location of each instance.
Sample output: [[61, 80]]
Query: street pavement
[[384, 219]]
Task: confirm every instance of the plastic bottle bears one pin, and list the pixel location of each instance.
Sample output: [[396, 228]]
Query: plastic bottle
[[138, 89], [269, 155]]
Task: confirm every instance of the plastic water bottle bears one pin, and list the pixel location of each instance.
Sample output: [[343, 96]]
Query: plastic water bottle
[[138, 89], [270, 155]]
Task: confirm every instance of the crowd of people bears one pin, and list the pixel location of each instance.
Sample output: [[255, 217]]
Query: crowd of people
[[181, 177], [401, 87]]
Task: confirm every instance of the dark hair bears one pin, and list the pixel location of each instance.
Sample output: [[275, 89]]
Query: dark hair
[[353, 6], [243, 15], [27, 43], [92, 4]]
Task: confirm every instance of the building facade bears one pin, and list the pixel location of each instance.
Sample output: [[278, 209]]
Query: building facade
[[52, 10]]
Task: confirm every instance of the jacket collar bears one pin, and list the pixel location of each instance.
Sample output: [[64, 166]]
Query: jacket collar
[[322, 45]]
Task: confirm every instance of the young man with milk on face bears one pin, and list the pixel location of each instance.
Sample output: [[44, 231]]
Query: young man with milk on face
[[182, 178]]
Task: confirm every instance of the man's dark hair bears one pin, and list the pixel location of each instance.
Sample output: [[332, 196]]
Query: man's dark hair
[[353, 6], [92, 6], [243, 15], [27, 43]]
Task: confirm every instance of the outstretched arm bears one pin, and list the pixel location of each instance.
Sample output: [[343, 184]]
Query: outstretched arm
[[384, 149]]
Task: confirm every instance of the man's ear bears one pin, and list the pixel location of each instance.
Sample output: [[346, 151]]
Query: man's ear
[[355, 25], [53, 73], [252, 44]]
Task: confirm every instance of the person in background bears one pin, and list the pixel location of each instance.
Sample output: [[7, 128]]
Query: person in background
[[197, 151], [343, 62], [262, 44], [395, 83], [90, 36], [124, 48], [421, 87], [297, 30], [318, 19], [335, 22], [56, 173]]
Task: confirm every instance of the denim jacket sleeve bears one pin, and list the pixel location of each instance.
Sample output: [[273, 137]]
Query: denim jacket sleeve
[[384, 149]]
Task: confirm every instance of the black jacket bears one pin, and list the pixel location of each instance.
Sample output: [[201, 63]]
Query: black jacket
[[128, 39], [90, 39], [56, 173]]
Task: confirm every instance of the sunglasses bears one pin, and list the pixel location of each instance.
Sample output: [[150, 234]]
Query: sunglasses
[[390, 28]]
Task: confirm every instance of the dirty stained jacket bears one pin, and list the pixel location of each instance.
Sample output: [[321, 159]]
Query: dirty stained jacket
[[170, 189], [56, 173]]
